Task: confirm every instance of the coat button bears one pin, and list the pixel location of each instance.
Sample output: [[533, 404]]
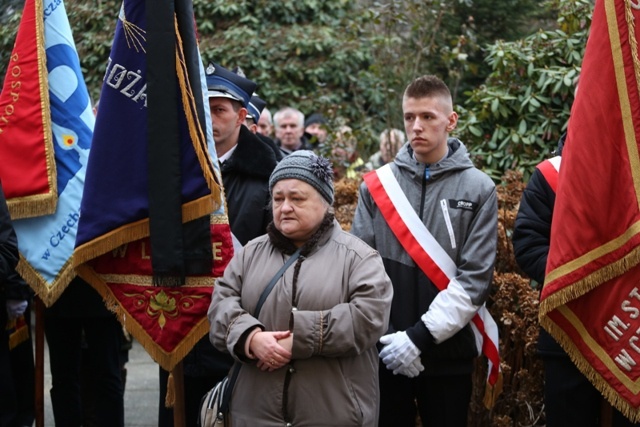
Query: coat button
[[292, 370]]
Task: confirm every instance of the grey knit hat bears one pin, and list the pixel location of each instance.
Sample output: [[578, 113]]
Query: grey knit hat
[[306, 166]]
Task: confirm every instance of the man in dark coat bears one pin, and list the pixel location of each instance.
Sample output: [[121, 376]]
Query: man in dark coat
[[289, 124]]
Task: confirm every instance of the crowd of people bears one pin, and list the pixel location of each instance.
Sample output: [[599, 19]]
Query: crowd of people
[[357, 330]]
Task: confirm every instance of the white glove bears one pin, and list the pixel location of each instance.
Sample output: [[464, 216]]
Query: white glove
[[412, 371], [399, 351], [16, 308]]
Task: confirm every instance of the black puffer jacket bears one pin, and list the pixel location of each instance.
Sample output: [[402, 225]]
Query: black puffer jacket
[[532, 235], [245, 176]]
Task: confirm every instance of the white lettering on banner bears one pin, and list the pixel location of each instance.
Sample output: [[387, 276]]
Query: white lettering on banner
[[116, 75], [217, 251], [616, 328], [14, 92], [624, 360], [120, 251]]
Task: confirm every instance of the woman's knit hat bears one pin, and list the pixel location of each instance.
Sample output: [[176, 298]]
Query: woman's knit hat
[[306, 166]]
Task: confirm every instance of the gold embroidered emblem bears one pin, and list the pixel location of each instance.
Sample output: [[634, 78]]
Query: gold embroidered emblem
[[162, 304]]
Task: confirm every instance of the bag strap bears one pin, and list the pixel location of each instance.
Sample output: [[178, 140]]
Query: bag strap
[[273, 282], [226, 399]]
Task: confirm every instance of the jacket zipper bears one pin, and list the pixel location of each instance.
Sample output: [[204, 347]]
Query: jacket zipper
[[447, 220]]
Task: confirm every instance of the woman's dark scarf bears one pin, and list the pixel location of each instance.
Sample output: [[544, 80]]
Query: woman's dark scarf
[[286, 246]]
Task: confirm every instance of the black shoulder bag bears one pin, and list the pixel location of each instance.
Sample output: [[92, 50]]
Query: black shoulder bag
[[214, 406]]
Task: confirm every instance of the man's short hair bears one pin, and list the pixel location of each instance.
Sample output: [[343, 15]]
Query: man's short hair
[[427, 87], [287, 112], [266, 113]]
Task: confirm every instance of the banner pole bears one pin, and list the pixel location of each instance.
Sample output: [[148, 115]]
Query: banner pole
[[179, 405], [606, 414], [39, 363]]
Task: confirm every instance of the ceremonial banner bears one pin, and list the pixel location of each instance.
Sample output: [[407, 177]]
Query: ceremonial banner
[[46, 242], [115, 250], [591, 297], [28, 169]]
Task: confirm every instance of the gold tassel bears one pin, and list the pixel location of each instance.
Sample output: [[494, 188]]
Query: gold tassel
[[491, 393], [170, 398], [18, 332], [18, 337]]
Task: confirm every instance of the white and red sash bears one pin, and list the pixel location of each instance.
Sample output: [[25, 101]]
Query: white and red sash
[[550, 169], [429, 255]]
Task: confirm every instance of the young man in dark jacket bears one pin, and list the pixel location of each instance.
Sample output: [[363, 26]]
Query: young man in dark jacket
[[427, 355]]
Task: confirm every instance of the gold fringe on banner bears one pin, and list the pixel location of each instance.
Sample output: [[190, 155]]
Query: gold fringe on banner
[[31, 206], [593, 280], [136, 231], [588, 371], [166, 360], [196, 131], [47, 293]]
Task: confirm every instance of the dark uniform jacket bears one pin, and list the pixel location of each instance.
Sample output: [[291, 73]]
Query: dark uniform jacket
[[532, 236], [245, 176]]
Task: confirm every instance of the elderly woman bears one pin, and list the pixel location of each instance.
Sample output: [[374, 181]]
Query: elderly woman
[[309, 359]]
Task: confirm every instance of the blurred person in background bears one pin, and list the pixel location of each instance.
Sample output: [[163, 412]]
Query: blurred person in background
[[315, 129], [289, 124], [390, 142], [265, 123]]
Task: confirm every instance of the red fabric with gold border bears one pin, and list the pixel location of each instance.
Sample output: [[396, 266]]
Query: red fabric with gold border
[[590, 301], [167, 321]]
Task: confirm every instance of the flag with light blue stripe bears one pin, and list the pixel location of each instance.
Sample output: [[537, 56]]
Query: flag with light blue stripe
[[46, 243]]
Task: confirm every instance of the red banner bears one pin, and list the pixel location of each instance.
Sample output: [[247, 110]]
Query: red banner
[[591, 296], [167, 321], [28, 169]]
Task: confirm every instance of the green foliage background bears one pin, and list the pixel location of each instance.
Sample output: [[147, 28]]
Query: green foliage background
[[511, 64]]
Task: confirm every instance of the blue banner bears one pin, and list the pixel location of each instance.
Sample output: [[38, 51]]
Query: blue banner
[[46, 243], [117, 181]]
